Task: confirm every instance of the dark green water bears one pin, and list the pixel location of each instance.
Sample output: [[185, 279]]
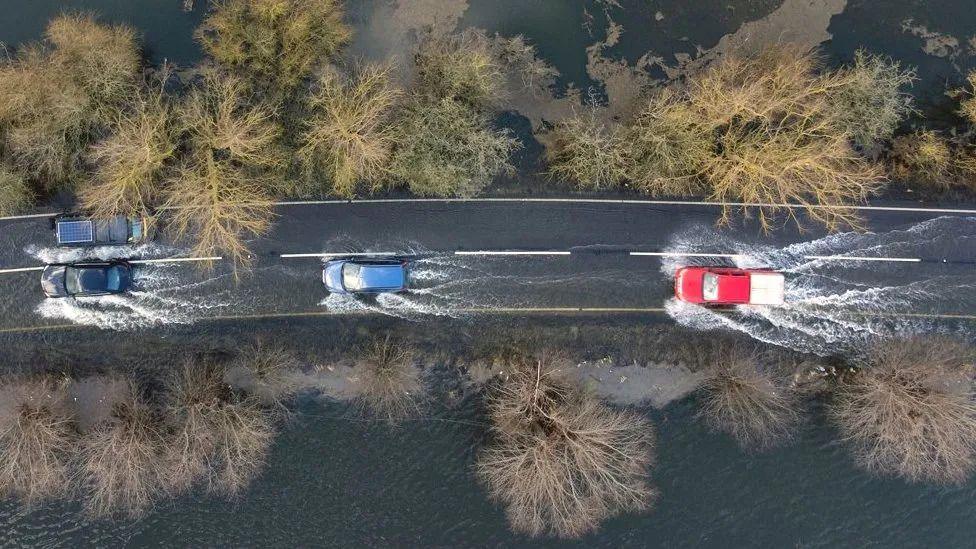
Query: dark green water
[[334, 480]]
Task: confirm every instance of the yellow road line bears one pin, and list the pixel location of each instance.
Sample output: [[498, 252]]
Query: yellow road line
[[499, 310]]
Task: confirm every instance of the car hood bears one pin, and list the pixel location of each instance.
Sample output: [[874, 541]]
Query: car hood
[[689, 285], [52, 281]]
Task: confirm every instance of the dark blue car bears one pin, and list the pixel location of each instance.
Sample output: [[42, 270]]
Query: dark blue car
[[366, 276], [86, 279]]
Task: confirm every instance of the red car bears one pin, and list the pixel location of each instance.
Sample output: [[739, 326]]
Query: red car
[[729, 286]]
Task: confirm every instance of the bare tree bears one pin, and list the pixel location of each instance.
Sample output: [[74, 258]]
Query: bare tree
[[389, 380], [560, 460], [910, 411], [37, 433], [119, 467], [747, 400], [220, 437]]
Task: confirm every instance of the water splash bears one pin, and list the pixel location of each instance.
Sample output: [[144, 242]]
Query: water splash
[[834, 306], [160, 295]]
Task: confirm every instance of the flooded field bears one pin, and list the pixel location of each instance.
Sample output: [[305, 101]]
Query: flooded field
[[335, 478]]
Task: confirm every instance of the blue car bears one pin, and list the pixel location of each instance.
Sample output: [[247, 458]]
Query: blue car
[[367, 276], [86, 279]]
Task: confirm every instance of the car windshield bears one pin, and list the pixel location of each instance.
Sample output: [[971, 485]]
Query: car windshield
[[350, 276], [72, 282], [710, 287]]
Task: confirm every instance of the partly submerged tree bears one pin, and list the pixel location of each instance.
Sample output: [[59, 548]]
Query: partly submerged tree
[[747, 399], [130, 162], [869, 100], [221, 436], [559, 460], [587, 151], [221, 193], [348, 136], [923, 157], [275, 44], [448, 148], [465, 67], [119, 465], [910, 411], [37, 433], [58, 96], [389, 380], [778, 140]]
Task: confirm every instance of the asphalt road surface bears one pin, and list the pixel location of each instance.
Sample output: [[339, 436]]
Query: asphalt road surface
[[912, 271]]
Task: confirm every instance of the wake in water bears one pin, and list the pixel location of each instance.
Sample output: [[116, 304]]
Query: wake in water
[[160, 295], [833, 306]]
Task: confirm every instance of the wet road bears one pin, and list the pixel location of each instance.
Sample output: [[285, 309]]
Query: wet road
[[584, 259]]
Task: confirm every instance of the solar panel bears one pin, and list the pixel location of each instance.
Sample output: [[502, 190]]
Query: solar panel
[[75, 232]]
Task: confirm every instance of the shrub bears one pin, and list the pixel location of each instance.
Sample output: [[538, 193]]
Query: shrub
[[129, 163], [273, 43], [777, 139], [348, 137], [463, 66], [120, 469], [868, 101], [389, 380], [447, 148], [559, 460], [220, 194], [59, 96], [221, 437], [15, 194], [36, 436], [587, 151], [746, 400], [666, 147], [923, 157], [967, 106], [910, 411]]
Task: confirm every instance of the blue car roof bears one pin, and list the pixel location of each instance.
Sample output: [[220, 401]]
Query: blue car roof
[[382, 276]]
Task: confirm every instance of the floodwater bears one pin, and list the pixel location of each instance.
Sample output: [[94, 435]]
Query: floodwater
[[334, 479]]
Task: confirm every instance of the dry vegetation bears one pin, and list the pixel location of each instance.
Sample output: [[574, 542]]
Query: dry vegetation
[[58, 96], [15, 193], [587, 151], [222, 437], [910, 411], [870, 104], [744, 398], [448, 148], [389, 380], [967, 106], [119, 465], [559, 460], [130, 163], [348, 136], [220, 195], [275, 44], [463, 66], [770, 129], [922, 157], [36, 432]]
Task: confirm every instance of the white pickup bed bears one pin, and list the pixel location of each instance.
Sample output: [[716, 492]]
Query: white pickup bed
[[767, 288]]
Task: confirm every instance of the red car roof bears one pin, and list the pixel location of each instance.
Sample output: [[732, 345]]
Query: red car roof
[[733, 288], [733, 284]]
